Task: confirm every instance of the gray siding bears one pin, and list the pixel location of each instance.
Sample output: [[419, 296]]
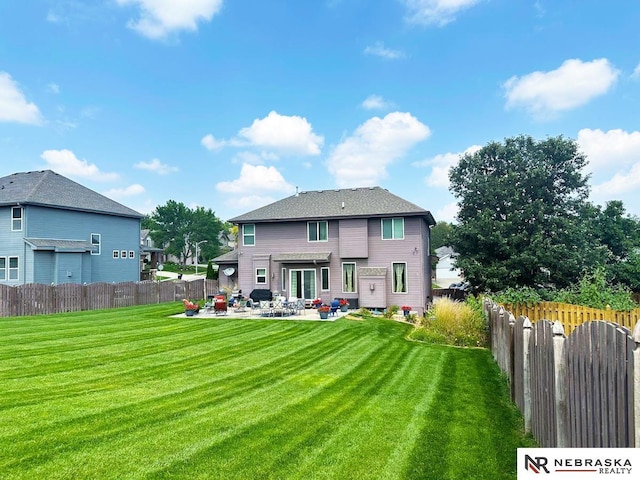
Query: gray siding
[[354, 238]]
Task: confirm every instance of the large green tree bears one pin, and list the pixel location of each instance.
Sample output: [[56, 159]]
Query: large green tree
[[522, 217], [178, 228]]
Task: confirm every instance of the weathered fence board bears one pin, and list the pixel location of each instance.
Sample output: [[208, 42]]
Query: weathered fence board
[[38, 299], [582, 387]]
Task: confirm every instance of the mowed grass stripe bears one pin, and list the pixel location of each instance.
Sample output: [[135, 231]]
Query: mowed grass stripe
[[171, 405], [252, 399]]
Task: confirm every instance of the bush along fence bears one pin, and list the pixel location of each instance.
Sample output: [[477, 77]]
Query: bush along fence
[[581, 390], [573, 315], [38, 299]]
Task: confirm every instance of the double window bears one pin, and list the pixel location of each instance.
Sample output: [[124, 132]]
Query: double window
[[95, 243], [318, 231], [9, 268], [248, 235], [261, 276], [393, 228], [16, 218]]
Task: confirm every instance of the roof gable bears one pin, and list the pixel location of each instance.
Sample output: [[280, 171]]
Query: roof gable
[[49, 189], [330, 204]]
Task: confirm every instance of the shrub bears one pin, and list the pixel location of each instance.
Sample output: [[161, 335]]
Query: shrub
[[455, 323], [391, 311]]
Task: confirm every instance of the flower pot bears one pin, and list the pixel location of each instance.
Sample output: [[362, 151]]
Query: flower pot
[[324, 315], [190, 313], [343, 308]]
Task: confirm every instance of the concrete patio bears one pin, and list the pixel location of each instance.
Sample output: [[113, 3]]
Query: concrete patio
[[309, 314]]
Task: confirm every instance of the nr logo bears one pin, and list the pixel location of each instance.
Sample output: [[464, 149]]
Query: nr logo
[[536, 464]]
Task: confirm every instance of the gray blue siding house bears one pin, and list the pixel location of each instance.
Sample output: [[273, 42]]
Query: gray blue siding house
[[363, 244], [54, 230]]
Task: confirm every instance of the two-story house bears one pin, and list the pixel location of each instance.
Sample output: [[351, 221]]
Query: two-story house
[[363, 244], [54, 230]]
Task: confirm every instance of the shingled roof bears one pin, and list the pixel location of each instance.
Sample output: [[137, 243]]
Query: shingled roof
[[49, 189], [334, 204]]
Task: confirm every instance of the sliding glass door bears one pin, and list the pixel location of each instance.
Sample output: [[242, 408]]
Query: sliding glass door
[[303, 283]]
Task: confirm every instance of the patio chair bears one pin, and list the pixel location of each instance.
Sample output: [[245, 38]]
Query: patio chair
[[335, 306], [265, 308], [277, 308], [220, 305], [300, 306]]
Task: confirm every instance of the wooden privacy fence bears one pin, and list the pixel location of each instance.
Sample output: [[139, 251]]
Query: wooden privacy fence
[[37, 299], [581, 390], [573, 315]]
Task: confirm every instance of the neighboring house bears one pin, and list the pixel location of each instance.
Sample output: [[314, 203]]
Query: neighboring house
[[446, 271], [149, 253], [54, 230], [363, 244]]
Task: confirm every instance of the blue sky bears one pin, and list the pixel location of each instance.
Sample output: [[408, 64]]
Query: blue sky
[[231, 105]]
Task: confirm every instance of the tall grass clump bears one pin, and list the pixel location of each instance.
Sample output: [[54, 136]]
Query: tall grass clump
[[455, 323]]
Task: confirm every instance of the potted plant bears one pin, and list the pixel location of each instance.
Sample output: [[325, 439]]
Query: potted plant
[[344, 304], [317, 303], [324, 310], [190, 308], [406, 309]]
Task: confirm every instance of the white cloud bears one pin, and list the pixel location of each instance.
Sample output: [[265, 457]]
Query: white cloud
[[362, 158], [375, 102], [250, 202], [156, 166], [379, 50], [53, 88], [610, 150], [570, 86], [65, 163], [256, 179], [291, 135], [447, 213], [131, 190], [636, 72], [441, 164], [436, 12], [159, 18], [620, 183], [13, 104]]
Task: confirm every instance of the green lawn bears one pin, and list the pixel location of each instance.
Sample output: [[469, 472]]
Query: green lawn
[[132, 393]]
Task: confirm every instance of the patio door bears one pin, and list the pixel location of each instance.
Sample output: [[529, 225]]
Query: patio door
[[302, 283]]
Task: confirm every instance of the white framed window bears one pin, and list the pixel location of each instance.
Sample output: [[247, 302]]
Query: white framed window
[[248, 235], [261, 276], [283, 280], [123, 254], [324, 279], [96, 240], [349, 277], [393, 228], [318, 231], [13, 268], [399, 270], [116, 254], [3, 268], [16, 218], [132, 254]]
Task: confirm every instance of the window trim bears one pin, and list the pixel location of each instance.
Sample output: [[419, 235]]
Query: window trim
[[17, 219], [283, 279], [123, 254], [322, 286], [392, 220], [258, 275], [16, 268], [132, 254], [318, 239], [355, 277], [96, 245], [406, 278], [116, 254], [245, 235], [4, 269]]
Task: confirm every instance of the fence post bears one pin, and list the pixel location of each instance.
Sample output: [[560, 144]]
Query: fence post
[[526, 374], [560, 374], [636, 384], [511, 354]]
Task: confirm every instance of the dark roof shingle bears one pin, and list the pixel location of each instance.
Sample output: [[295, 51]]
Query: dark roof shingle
[[49, 189], [329, 204]]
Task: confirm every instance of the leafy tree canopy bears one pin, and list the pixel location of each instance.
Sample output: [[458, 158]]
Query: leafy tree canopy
[[523, 214], [177, 228], [440, 235]]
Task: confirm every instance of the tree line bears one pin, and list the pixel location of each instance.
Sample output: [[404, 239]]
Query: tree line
[[525, 220]]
